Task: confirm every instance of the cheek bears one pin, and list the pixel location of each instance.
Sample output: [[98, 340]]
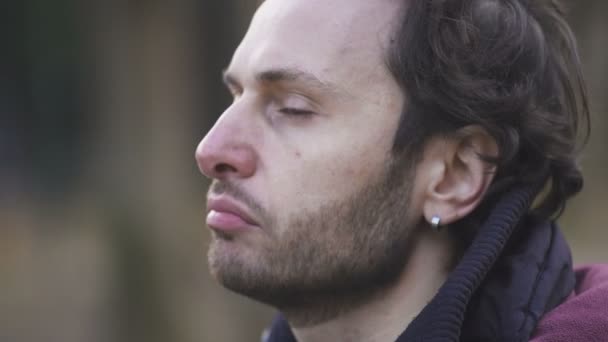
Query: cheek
[[308, 168], [315, 180]]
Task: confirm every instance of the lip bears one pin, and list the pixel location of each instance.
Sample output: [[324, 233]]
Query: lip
[[228, 215]]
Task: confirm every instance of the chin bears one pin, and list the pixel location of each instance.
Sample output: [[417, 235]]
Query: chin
[[229, 256]]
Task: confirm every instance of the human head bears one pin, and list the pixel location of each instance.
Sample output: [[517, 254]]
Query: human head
[[305, 151], [399, 93]]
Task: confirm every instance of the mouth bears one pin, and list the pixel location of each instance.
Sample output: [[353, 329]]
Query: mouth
[[226, 215]]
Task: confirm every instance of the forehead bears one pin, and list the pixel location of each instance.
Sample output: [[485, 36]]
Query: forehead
[[338, 39]]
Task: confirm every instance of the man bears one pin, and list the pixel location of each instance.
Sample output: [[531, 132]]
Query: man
[[375, 175]]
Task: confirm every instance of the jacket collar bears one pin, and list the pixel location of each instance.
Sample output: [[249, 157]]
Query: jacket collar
[[533, 275]]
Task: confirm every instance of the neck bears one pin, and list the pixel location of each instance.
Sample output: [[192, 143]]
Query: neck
[[385, 315]]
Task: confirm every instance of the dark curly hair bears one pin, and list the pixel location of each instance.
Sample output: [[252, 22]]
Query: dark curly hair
[[509, 66]]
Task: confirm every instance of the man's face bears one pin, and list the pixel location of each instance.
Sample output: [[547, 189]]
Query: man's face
[[307, 199]]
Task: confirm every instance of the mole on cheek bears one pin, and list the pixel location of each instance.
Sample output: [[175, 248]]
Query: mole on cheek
[[298, 154]]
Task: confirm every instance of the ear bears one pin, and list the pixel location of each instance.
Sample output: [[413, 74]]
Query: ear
[[456, 176]]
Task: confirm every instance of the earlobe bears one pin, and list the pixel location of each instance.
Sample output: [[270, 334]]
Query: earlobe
[[458, 175]]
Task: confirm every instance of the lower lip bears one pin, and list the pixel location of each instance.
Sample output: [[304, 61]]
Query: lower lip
[[227, 222]]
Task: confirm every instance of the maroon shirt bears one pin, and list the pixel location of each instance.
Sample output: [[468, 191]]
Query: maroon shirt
[[584, 315]]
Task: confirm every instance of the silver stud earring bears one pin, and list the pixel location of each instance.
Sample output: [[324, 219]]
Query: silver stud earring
[[436, 223]]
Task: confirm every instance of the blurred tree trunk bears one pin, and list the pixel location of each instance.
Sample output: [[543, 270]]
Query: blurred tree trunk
[[142, 167], [157, 70]]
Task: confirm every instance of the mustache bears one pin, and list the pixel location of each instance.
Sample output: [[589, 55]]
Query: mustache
[[226, 188]]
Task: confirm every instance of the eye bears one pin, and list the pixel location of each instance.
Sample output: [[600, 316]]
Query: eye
[[234, 93], [296, 111]]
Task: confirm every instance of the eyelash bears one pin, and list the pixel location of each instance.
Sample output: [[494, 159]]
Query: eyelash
[[295, 111]]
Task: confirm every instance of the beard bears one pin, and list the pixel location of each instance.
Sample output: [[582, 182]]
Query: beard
[[326, 261]]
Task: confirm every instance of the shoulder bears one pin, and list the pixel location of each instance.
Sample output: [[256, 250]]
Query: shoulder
[[583, 316]]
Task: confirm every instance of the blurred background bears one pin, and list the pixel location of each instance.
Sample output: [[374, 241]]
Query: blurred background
[[102, 104]]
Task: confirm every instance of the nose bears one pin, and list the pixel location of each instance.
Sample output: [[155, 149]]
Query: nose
[[226, 152]]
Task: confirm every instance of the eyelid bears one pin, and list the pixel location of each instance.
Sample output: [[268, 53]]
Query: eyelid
[[296, 111], [234, 91], [231, 83], [297, 101]]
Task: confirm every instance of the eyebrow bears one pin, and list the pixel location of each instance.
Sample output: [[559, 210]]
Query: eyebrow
[[273, 76]]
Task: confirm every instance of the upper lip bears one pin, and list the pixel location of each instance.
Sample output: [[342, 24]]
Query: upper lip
[[229, 205]]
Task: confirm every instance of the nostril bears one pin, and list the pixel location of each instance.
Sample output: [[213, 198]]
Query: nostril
[[224, 168]]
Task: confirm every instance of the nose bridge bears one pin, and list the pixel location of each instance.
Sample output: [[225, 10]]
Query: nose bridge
[[228, 148]]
